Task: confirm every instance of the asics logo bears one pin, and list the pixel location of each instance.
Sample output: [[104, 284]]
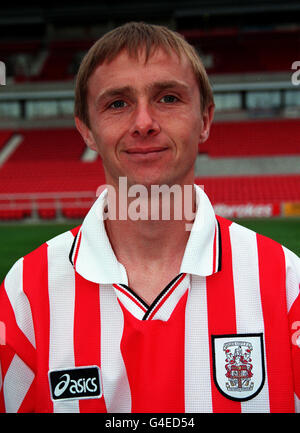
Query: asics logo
[[80, 382], [79, 386]]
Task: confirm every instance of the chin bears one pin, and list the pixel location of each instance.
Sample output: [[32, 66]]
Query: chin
[[148, 180]]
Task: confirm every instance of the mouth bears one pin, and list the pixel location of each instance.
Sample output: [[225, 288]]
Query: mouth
[[145, 151]]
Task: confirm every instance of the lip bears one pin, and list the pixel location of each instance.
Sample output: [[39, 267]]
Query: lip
[[145, 150]]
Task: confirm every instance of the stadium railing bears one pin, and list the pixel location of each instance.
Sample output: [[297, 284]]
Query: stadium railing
[[45, 205]]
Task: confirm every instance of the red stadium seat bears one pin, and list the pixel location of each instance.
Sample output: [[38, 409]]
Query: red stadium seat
[[48, 161], [253, 138]]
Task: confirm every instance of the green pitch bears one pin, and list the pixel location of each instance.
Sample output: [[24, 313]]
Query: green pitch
[[18, 240]]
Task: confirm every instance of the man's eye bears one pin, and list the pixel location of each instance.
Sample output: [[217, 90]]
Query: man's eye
[[168, 99], [118, 104]]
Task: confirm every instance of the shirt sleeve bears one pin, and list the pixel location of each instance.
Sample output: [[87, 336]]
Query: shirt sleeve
[[17, 345], [293, 305]]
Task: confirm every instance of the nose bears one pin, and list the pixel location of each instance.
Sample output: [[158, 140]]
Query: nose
[[144, 124]]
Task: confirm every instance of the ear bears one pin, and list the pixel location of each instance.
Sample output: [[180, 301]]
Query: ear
[[85, 133], [207, 119]]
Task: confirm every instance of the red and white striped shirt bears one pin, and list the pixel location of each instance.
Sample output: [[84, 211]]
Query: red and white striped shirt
[[221, 337]]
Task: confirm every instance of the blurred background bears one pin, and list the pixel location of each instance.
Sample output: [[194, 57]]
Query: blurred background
[[250, 166]]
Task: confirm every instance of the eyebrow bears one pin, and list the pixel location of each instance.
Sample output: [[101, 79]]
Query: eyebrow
[[164, 85], [111, 93], [129, 90]]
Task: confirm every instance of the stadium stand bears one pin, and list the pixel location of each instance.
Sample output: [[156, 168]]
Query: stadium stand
[[253, 138], [58, 63], [232, 51], [47, 164], [49, 144], [46, 175], [4, 137], [224, 51], [251, 189]]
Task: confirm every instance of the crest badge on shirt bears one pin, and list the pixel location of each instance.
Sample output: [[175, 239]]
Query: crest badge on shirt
[[238, 365]]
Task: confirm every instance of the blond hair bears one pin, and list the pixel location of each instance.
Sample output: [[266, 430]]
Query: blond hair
[[134, 37]]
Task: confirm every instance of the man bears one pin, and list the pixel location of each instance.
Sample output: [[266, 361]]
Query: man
[[127, 314]]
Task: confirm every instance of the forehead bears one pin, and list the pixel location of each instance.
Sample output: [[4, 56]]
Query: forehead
[[125, 69]]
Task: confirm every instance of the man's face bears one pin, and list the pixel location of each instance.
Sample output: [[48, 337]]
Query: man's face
[[145, 119]]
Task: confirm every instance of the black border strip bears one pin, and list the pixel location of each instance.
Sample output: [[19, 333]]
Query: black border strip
[[72, 249], [261, 336], [156, 300], [162, 293], [135, 295], [220, 247]]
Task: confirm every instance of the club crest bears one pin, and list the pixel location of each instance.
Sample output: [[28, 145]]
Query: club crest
[[238, 365]]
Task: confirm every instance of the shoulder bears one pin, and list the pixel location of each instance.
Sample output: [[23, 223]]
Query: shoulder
[[36, 263], [241, 235], [243, 238], [241, 232]]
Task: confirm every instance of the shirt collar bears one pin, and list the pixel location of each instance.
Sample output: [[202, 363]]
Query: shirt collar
[[93, 258]]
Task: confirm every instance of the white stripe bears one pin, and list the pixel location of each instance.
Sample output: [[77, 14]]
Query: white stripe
[[297, 404], [1, 379], [61, 280], [197, 364], [249, 315], [137, 311], [19, 301], [16, 384], [10, 147], [116, 388]]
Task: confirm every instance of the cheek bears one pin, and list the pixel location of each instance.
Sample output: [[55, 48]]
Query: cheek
[[105, 139], [108, 132], [187, 133]]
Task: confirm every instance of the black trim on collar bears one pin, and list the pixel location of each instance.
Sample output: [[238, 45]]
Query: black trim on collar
[[220, 247], [135, 295], [72, 250], [162, 293], [156, 300]]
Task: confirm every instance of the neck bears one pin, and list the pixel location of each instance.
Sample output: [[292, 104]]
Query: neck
[[151, 227]]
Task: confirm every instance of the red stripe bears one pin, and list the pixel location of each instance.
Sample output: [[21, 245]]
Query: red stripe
[[15, 338], [272, 278], [153, 352], [141, 306], [221, 312], [35, 283], [75, 230], [87, 334], [163, 300]]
